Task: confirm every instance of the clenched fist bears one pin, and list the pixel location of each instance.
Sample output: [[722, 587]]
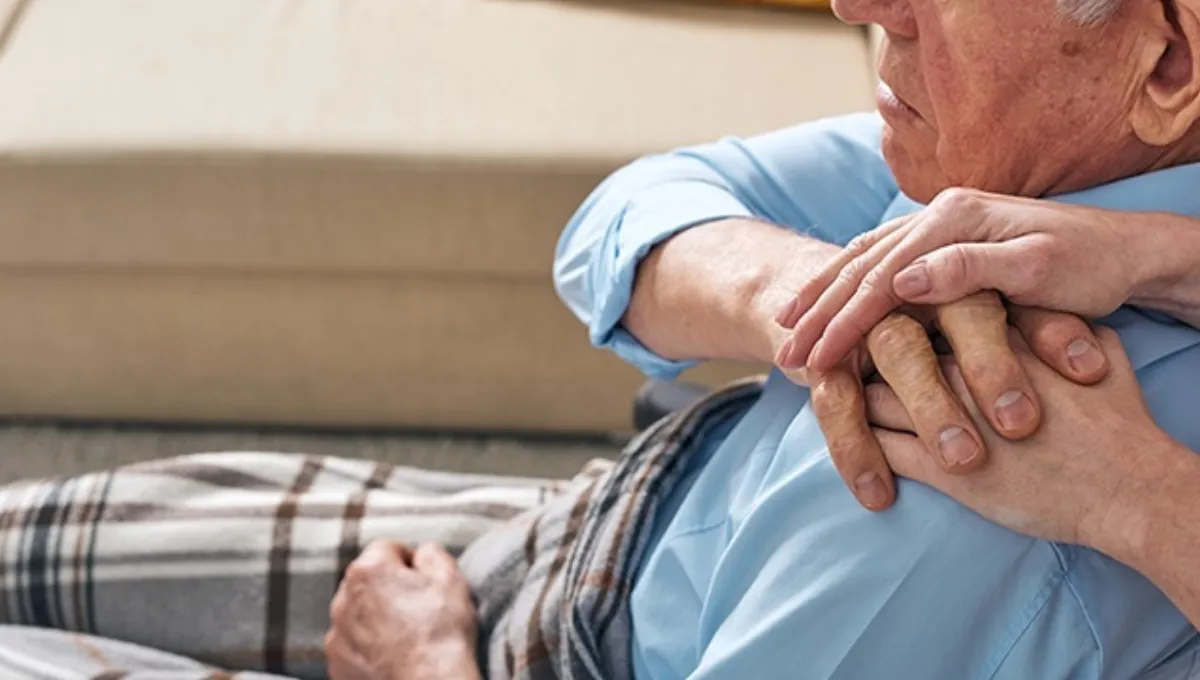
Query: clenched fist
[[402, 615]]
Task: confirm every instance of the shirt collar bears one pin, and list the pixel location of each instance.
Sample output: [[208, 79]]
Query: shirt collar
[[1174, 190]]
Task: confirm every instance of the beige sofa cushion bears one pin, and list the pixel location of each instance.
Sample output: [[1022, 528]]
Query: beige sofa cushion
[[344, 212]]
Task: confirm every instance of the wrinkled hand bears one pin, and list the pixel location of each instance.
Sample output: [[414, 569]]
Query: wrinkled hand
[[402, 615], [1058, 484], [1036, 253], [902, 352]]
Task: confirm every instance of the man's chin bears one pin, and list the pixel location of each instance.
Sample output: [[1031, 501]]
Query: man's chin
[[919, 181]]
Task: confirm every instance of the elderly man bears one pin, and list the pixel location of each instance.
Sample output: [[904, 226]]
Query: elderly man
[[723, 543], [726, 547], [756, 564]]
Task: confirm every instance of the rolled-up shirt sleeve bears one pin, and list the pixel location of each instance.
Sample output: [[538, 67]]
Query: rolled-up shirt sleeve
[[827, 179]]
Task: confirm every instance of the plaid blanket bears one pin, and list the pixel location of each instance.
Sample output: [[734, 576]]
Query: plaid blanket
[[226, 559], [180, 568]]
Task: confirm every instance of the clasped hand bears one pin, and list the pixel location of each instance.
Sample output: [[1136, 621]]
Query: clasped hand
[[850, 323], [900, 351]]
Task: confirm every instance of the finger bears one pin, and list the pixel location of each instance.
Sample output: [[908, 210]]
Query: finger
[[884, 409], [1113, 348], [384, 552], [1062, 341], [906, 455], [954, 271], [440, 566], [876, 296], [838, 402], [977, 328], [332, 648], [953, 217], [337, 606], [341, 660], [811, 291], [904, 356], [833, 298], [1120, 366]]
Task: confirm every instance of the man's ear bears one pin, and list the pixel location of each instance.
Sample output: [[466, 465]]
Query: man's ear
[[1168, 103]]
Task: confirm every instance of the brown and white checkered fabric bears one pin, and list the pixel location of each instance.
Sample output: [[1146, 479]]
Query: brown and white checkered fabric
[[227, 559]]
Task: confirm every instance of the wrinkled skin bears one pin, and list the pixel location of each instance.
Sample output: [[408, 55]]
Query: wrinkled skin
[[402, 615]]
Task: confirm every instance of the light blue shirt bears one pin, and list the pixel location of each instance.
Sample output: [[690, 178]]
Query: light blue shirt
[[768, 568]]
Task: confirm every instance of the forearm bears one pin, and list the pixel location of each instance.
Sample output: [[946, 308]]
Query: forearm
[[1168, 269], [1154, 525], [712, 291]]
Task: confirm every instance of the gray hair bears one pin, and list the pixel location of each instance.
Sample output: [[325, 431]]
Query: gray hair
[[1089, 12]]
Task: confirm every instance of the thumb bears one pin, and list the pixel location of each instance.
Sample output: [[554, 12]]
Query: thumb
[[434, 562], [1111, 344], [953, 272]]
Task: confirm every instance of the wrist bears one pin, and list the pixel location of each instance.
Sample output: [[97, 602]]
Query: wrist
[[1131, 518], [775, 285], [446, 660], [1165, 249], [712, 291]]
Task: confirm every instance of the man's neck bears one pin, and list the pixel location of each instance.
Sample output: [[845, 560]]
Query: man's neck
[[1133, 159], [1186, 151]]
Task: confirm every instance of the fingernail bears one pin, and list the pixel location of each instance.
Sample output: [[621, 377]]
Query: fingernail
[[814, 355], [1085, 358], [957, 447], [1014, 410], [913, 281], [785, 353], [870, 491], [782, 317]]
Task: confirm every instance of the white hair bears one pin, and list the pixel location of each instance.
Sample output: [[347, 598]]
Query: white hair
[[1089, 12]]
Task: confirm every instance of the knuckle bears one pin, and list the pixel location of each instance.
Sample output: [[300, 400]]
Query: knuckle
[[976, 319], [834, 395], [861, 242], [851, 272], [956, 201], [851, 457], [989, 373], [849, 447], [929, 402], [896, 333], [379, 545], [953, 266], [359, 570]]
